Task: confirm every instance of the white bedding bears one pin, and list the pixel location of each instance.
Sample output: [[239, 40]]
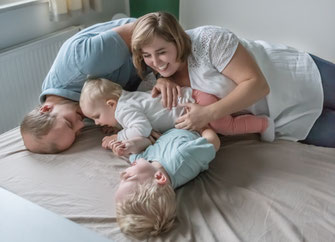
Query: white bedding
[[253, 191]]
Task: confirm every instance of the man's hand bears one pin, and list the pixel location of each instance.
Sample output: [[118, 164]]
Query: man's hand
[[170, 92]]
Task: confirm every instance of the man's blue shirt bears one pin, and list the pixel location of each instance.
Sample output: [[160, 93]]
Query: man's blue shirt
[[97, 51]]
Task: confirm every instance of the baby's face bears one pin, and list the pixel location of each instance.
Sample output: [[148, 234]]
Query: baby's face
[[140, 172], [100, 111]]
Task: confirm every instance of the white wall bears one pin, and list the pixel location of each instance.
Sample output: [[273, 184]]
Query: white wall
[[26, 23], [308, 25]]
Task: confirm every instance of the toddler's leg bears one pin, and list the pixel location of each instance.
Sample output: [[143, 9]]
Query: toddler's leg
[[229, 125], [211, 137], [242, 124]]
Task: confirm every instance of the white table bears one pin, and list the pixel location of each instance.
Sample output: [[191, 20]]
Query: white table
[[24, 221]]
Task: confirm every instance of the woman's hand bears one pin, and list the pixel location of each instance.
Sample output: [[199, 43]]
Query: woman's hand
[[170, 92], [195, 118]]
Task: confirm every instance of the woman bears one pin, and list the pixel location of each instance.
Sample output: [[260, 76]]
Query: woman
[[240, 72]]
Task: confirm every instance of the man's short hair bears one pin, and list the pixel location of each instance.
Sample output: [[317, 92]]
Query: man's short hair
[[149, 211], [37, 124]]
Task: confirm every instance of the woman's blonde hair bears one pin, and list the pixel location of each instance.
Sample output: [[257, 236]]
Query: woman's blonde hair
[[100, 88], [163, 25], [149, 211]]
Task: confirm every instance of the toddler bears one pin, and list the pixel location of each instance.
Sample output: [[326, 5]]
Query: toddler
[[138, 113], [145, 198]]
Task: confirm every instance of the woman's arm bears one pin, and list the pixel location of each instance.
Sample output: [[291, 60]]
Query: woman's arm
[[251, 87]]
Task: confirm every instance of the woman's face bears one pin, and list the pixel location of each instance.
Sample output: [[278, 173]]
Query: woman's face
[[161, 56]]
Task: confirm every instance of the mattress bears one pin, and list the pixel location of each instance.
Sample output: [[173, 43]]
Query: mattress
[[252, 191]]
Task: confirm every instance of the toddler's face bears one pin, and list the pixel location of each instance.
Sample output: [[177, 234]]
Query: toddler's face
[[140, 172], [100, 111]]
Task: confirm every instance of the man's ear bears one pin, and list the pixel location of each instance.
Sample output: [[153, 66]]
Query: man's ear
[[111, 102], [160, 178], [46, 108]]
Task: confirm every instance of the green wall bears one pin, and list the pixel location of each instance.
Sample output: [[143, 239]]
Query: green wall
[[141, 7]]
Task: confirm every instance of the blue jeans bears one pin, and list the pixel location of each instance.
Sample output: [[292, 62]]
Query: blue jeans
[[323, 130]]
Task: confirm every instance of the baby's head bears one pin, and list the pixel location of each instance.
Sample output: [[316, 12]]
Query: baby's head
[[98, 100], [146, 202]]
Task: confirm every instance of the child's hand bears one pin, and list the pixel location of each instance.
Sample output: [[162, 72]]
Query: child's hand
[[107, 140], [119, 148], [127, 147], [154, 136]]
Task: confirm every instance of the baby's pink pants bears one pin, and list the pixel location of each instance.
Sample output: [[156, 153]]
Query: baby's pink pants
[[230, 125]]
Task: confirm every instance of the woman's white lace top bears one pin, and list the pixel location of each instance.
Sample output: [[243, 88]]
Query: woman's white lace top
[[296, 97]]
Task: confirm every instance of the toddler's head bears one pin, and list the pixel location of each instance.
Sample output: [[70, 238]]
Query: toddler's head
[[146, 203], [98, 100]]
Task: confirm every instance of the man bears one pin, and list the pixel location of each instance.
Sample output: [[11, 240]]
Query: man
[[101, 50]]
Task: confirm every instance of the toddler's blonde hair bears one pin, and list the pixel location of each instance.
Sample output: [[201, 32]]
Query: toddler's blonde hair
[[149, 211]]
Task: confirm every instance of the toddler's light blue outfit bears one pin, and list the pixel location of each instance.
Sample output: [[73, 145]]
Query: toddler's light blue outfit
[[182, 153]]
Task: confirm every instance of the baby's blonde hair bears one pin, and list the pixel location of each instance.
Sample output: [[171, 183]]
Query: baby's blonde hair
[[100, 88], [149, 211], [163, 25]]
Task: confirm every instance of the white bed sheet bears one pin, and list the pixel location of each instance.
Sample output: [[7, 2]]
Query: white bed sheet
[[253, 191]]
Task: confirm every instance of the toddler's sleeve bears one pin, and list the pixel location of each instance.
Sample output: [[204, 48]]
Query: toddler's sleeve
[[134, 123]]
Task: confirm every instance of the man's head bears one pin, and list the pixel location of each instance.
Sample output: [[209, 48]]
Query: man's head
[[52, 127], [146, 203], [98, 100]]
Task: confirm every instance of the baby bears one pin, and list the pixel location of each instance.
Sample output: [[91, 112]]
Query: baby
[[138, 113], [145, 199]]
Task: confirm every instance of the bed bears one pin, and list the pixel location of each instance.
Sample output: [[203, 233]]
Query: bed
[[253, 191]]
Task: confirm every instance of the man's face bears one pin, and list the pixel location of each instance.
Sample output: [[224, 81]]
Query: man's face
[[66, 127]]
